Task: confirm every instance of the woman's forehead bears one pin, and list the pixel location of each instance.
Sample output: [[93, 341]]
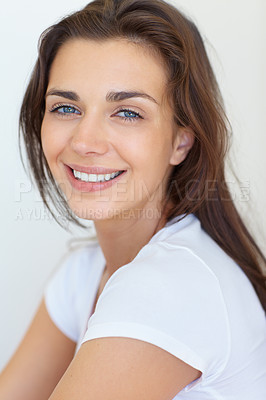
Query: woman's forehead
[[109, 64]]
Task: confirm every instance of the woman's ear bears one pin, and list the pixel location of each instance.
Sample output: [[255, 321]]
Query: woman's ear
[[183, 142]]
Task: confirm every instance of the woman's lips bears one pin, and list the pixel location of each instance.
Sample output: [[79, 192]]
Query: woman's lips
[[83, 186]]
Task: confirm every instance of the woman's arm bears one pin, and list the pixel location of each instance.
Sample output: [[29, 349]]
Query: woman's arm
[[117, 368], [39, 363]]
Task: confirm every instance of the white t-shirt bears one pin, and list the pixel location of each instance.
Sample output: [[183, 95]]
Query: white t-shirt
[[181, 293]]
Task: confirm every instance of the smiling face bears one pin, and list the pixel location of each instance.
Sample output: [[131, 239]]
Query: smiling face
[[106, 133]]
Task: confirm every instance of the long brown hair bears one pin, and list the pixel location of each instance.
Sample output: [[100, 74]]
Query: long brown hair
[[197, 185]]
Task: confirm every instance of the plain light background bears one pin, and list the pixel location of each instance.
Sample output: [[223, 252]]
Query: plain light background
[[32, 244]]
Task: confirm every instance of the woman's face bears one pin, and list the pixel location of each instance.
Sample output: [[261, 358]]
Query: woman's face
[[106, 133]]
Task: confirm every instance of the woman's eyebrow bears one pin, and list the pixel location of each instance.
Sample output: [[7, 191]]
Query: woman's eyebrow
[[110, 97], [67, 94], [119, 96]]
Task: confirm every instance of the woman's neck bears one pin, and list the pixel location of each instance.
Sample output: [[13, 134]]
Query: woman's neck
[[122, 239]]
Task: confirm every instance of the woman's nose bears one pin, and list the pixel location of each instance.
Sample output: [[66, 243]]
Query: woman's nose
[[89, 136]]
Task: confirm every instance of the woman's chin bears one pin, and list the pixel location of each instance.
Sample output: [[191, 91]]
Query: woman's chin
[[96, 214]]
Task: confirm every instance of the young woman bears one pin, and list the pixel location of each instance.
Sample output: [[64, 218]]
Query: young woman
[[124, 125]]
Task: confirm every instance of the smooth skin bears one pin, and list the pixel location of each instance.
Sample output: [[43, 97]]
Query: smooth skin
[[89, 131]]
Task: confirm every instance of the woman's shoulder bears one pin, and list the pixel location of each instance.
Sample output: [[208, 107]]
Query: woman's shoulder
[[70, 290], [184, 243], [80, 265], [182, 264]]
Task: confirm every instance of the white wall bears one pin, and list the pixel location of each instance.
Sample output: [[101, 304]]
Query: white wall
[[31, 243]]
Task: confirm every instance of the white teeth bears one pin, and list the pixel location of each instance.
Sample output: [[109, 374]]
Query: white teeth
[[94, 177], [100, 178], [77, 174], [84, 177]]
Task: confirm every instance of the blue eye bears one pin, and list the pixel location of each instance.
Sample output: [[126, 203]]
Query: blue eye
[[128, 115], [65, 110]]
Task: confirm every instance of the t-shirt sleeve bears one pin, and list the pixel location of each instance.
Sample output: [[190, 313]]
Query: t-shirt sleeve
[[60, 298], [171, 299]]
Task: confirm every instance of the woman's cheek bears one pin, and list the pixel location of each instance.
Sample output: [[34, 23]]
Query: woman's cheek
[[53, 140]]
